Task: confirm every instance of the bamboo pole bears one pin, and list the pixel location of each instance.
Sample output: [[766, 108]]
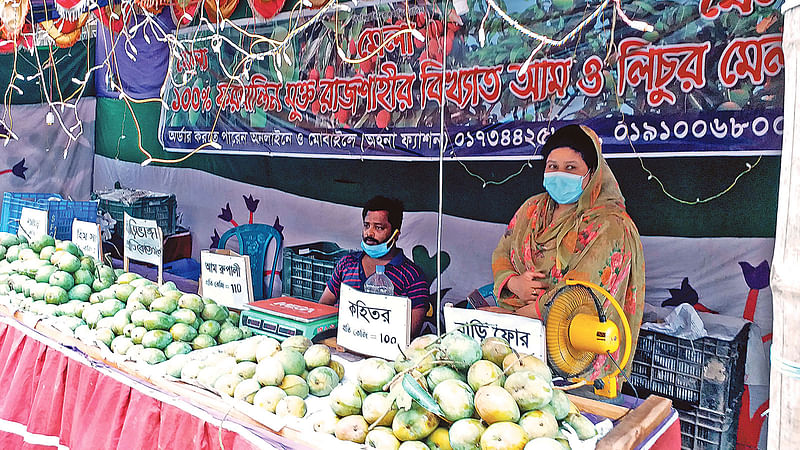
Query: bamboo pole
[[784, 412]]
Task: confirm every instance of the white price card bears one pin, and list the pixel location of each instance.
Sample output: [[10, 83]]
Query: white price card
[[143, 240], [373, 324], [226, 277], [32, 223], [525, 335], [86, 235]]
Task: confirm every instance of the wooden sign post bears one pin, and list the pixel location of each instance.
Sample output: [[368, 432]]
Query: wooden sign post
[[226, 277], [373, 324], [32, 223], [524, 334], [86, 235], [143, 241]]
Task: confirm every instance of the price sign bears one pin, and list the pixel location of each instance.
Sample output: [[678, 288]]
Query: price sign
[[226, 277], [373, 324], [86, 235], [525, 335], [32, 223], [143, 241]]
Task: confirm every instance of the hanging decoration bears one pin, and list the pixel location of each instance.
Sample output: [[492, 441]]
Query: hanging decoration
[[266, 8], [63, 31], [219, 10], [184, 11], [115, 17], [23, 41], [71, 9], [12, 18]]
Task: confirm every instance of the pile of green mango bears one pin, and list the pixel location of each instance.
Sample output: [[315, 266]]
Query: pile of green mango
[[128, 313]]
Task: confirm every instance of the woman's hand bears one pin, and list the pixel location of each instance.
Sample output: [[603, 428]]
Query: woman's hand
[[528, 286]]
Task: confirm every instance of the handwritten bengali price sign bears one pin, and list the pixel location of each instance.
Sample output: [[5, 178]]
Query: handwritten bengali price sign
[[143, 241], [226, 277], [86, 235], [525, 335], [373, 324], [32, 223], [708, 80]]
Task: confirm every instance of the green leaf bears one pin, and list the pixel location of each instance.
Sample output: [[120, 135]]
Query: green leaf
[[420, 395]]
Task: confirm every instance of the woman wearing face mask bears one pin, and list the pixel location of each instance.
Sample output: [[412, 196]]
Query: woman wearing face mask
[[577, 228]]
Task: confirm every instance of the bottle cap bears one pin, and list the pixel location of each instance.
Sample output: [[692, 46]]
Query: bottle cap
[[380, 269]]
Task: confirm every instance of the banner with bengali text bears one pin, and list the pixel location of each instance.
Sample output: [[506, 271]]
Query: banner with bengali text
[[707, 80]]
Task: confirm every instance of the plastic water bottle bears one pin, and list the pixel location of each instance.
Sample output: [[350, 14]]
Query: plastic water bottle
[[379, 283]]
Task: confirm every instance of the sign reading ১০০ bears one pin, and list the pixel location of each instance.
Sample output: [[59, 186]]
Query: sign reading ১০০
[[524, 334], [373, 324], [86, 235], [32, 223], [226, 277]]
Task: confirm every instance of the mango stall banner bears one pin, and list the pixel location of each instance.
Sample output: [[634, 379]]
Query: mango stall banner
[[708, 80]]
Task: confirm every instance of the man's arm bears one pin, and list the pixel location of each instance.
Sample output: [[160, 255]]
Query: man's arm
[[327, 297], [417, 319], [331, 294]]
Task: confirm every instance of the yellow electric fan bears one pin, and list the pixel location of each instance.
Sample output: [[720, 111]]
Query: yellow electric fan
[[577, 330]]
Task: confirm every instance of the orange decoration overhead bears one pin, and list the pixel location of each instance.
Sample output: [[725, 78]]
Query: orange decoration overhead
[[224, 7], [65, 32]]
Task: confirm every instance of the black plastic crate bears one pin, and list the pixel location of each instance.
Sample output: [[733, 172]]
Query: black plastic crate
[[307, 268], [142, 205], [708, 430], [706, 373]]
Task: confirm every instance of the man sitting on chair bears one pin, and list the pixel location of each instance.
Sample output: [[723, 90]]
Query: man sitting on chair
[[382, 220]]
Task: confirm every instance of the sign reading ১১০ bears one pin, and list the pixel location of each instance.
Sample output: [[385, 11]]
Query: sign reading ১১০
[[524, 334], [32, 223], [373, 324], [86, 235], [226, 277]]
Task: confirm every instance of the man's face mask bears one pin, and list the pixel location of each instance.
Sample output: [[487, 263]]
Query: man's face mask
[[564, 188], [379, 250]]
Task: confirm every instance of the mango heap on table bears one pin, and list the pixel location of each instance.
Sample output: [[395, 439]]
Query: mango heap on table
[[466, 395], [131, 315]]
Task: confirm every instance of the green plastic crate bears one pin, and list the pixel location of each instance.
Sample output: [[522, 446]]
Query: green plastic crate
[[307, 268]]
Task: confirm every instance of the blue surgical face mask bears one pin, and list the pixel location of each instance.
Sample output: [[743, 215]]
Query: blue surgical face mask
[[564, 187], [379, 250]]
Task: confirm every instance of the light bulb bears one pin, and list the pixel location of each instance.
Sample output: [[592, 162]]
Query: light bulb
[[50, 118]]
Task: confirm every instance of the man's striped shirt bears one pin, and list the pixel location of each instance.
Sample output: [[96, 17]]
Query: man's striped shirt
[[406, 277]]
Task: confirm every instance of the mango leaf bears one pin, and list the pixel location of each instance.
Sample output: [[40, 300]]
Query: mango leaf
[[420, 395]]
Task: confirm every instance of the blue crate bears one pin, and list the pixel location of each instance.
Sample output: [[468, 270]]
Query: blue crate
[[13, 202], [62, 212]]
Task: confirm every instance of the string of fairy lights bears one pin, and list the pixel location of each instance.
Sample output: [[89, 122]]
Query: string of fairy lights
[[302, 16]]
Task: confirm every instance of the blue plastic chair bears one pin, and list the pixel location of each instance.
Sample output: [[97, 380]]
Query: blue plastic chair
[[254, 240]]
